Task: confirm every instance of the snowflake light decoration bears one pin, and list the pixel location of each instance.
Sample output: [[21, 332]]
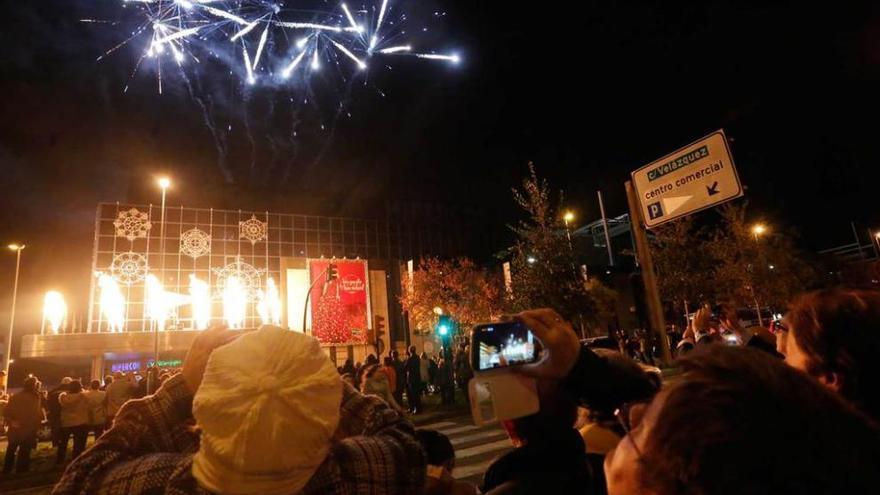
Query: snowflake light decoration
[[195, 243], [253, 230], [129, 268], [248, 276], [132, 224]]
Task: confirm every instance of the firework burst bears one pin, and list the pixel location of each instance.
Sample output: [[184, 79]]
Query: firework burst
[[255, 38]]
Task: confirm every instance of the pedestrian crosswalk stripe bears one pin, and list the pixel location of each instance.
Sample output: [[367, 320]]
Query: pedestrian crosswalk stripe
[[478, 436], [437, 426], [482, 449], [472, 470], [460, 429]]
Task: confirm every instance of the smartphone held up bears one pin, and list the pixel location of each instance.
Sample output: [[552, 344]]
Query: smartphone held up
[[497, 392]]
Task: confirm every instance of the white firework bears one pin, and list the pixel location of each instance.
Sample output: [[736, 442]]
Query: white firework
[[181, 31]]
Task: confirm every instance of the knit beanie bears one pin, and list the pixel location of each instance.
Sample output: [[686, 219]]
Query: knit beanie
[[267, 407]]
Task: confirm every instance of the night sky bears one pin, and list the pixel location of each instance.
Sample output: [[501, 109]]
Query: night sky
[[588, 92]]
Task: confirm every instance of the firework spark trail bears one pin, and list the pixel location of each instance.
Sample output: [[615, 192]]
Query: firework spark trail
[[395, 49], [220, 142], [245, 30], [352, 56], [176, 36], [381, 14], [287, 70], [261, 46], [432, 56], [247, 65], [378, 24], [178, 55], [313, 25], [351, 19], [315, 64], [226, 15]]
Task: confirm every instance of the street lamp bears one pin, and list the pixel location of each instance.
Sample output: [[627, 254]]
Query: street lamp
[[17, 248], [758, 229], [568, 217]]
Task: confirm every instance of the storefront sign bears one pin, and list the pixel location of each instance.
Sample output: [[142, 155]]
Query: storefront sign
[[125, 367]]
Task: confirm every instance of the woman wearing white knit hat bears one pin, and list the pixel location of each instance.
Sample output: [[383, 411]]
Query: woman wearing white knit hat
[[272, 417]]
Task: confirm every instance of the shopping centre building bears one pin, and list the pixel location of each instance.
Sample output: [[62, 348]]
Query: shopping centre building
[[261, 258]]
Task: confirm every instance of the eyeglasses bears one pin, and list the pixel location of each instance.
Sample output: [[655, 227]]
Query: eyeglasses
[[629, 416], [777, 327]]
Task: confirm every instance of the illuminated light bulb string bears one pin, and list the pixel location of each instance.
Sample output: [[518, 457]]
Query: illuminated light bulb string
[[331, 325]]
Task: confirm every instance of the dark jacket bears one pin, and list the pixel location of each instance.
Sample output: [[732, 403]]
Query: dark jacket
[[414, 370], [400, 369], [555, 463], [24, 414], [53, 407]]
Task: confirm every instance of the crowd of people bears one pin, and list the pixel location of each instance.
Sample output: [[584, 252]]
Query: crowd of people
[[70, 410], [405, 382], [266, 412]]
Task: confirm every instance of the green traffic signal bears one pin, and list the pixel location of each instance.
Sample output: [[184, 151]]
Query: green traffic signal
[[444, 326]]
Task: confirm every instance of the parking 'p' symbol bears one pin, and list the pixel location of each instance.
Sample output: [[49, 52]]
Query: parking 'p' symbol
[[655, 210]]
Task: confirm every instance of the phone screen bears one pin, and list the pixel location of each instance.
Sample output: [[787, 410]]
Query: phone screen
[[496, 345]]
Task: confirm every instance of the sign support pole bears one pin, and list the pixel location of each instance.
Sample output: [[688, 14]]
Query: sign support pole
[[649, 277]]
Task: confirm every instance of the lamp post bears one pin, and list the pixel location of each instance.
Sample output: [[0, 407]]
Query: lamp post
[[164, 184], [757, 230], [17, 248], [568, 217]]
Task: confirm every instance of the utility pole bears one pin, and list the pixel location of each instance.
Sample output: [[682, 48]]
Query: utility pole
[[649, 277]]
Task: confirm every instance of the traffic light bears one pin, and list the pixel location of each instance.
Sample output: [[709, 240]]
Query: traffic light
[[444, 327], [332, 272]]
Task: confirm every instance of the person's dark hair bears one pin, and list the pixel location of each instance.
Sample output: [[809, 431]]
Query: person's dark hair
[[30, 384], [366, 372], [839, 331], [108, 380], [75, 387], [741, 421], [438, 449], [371, 359], [395, 354], [96, 384], [608, 396], [388, 361]]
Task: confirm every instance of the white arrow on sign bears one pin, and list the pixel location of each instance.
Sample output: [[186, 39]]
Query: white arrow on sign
[[674, 203]]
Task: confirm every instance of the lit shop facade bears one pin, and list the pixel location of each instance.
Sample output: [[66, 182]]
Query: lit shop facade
[[158, 281]]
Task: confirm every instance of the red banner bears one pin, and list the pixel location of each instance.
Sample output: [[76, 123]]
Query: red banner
[[340, 308]]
